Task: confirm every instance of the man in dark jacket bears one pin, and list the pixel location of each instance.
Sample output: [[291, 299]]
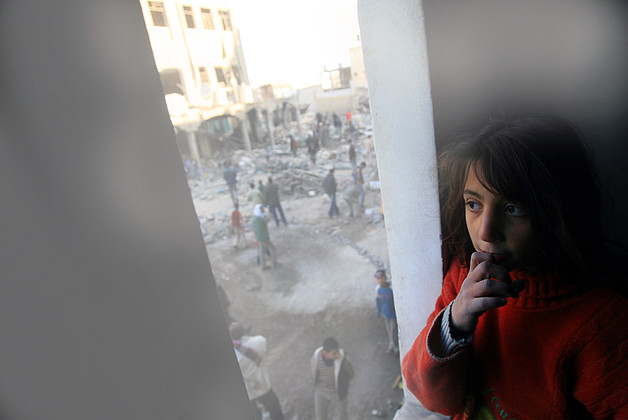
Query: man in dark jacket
[[230, 174], [271, 199], [330, 186], [332, 371]]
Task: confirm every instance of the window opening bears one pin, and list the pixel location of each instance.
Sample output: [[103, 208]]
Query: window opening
[[236, 73], [157, 13], [220, 75], [207, 18], [189, 17], [171, 81], [225, 19], [202, 71]]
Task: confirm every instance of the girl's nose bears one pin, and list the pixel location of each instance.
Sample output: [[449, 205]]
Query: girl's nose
[[490, 227]]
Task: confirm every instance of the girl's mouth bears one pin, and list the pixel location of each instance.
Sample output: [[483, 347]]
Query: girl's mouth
[[497, 258]]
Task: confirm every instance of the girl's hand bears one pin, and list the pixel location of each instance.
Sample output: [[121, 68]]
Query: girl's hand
[[486, 287]]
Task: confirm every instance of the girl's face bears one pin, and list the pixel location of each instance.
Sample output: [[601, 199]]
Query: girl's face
[[499, 226]]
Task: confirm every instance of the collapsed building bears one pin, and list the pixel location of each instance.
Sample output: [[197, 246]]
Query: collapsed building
[[212, 105]]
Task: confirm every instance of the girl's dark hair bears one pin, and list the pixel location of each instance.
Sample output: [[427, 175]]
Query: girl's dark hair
[[541, 163]]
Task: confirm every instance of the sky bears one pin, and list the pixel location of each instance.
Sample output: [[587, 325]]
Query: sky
[[291, 41]]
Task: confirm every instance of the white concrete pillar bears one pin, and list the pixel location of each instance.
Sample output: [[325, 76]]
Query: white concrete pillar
[[395, 56]]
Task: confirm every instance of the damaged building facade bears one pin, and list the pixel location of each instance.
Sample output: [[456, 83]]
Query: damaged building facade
[[199, 57], [212, 105], [201, 65]]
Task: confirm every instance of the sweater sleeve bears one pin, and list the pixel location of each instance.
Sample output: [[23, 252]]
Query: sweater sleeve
[[601, 365], [440, 383]]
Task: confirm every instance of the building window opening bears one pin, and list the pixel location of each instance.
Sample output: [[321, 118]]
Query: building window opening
[[171, 81], [207, 18], [236, 73], [220, 76], [204, 76], [225, 19], [157, 13], [189, 17]]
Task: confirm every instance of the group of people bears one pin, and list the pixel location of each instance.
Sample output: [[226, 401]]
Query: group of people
[[330, 367], [263, 197], [331, 372], [352, 194]]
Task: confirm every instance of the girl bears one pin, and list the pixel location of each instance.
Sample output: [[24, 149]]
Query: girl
[[530, 323]]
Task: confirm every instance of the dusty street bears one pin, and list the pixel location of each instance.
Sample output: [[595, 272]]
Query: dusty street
[[323, 286]]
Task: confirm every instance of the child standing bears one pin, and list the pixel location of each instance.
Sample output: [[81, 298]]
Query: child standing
[[237, 223], [530, 323], [385, 305]]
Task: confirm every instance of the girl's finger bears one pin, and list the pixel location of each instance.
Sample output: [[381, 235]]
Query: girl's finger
[[486, 270], [483, 304], [477, 258], [494, 288]]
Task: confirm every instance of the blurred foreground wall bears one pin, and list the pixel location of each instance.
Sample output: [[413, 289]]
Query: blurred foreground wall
[[563, 56], [108, 307]]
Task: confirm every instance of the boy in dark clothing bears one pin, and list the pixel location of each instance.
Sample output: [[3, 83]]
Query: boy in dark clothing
[[271, 199], [386, 306], [330, 186], [352, 155], [230, 174]]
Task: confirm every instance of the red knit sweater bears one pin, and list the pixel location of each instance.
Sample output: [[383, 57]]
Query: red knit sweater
[[555, 352]]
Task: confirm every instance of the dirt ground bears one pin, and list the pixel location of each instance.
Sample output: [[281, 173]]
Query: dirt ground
[[323, 285]]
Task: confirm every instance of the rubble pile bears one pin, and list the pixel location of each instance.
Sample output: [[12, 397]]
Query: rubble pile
[[296, 176], [298, 182]]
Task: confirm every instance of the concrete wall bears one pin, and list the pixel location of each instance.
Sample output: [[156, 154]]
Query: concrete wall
[[180, 47], [108, 307], [339, 101], [401, 106]]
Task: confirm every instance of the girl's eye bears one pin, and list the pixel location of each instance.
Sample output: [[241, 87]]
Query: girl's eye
[[472, 205], [514, 210]]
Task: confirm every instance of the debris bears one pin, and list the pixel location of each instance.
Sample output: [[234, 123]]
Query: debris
[[398, 384], [379, 413], [373, 185]]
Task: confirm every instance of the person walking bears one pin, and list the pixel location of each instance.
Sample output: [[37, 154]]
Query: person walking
[[352, 155], [330, 187], [271, 199], [332, 371], [293, 145], [358, 180], [230, 174], [385, 305], [255, 195], [237, 223], [265, 246], [351, 195], [251, 352], [312, 146]]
